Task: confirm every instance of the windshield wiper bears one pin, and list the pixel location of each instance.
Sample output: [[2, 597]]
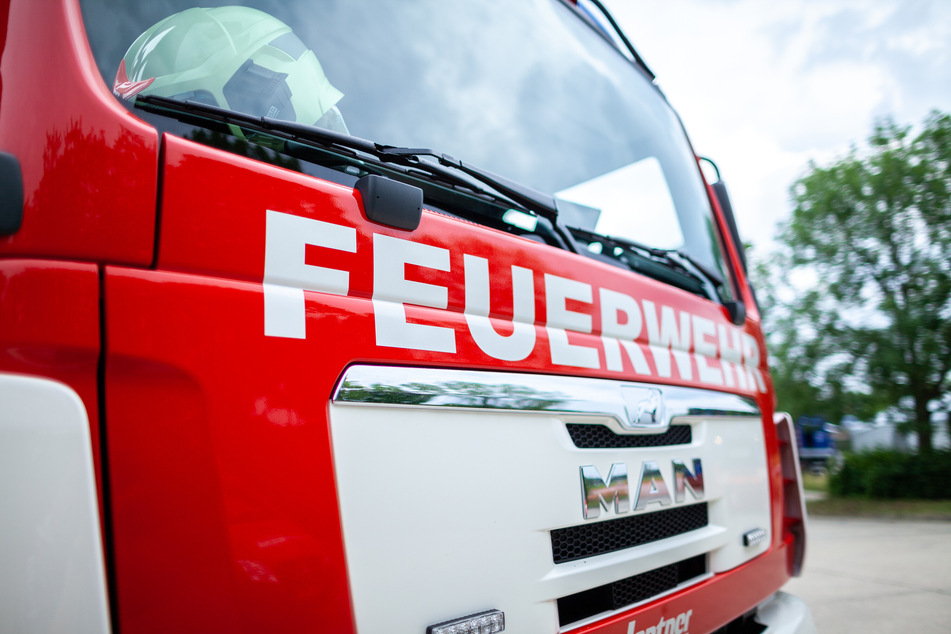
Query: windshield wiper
[[668, 265], [674, 267], [193, 112]]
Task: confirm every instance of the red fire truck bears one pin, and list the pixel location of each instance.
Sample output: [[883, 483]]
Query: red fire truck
[[359, 316]]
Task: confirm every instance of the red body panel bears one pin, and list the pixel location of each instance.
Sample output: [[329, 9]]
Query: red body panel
[[213, 223], [223, 506], [225, 515], [90, 169]]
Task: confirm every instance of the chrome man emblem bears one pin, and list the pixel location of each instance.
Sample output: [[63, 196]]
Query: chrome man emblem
[[598, 493], [645, 408]]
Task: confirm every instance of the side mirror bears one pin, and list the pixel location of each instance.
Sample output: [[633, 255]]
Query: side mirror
[[736, 309], [719, 188], [723, 198], [737, 312]]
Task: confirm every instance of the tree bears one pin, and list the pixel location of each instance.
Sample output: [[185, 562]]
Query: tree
[[808, 382], [874, 232]]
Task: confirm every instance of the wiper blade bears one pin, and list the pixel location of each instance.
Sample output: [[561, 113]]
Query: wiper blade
[[532, 199], [679, 268], [525, 197]]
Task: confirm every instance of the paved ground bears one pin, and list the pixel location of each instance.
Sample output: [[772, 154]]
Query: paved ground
[[870, 576]]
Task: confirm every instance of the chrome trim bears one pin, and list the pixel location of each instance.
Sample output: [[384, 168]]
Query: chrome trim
[[755, 536], [645, 407], [471, 389], [683, 480], [651, 486], [490, 622]]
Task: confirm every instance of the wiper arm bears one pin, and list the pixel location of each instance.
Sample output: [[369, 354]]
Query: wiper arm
[[527, 198], [532, 199], [712, 276], [679, 268], [684, 266]]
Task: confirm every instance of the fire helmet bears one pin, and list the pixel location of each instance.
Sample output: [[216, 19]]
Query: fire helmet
[[237, 58]]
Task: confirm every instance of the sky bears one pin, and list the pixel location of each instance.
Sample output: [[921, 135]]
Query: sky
[[764, 87]]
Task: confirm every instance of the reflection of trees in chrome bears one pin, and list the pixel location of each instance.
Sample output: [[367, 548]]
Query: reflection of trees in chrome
[[455, 394]]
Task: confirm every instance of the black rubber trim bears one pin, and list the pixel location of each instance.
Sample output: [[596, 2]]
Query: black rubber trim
[[108, 546], [11, 194]]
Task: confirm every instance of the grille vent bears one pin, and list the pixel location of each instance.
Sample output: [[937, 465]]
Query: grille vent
[[620, 594], [601, 437], [588, 540]]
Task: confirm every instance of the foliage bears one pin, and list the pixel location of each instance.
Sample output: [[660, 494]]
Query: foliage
[[815, 481], [871, 325], [883, 474], [881, 509]]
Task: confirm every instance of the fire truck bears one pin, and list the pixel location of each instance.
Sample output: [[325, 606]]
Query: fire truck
[[353, 316]]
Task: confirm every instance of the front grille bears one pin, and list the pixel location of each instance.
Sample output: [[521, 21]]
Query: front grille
[[588, 540], [601, 437], [620, 594]]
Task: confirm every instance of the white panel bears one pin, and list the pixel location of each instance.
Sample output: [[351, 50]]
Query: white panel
[[447, 511], [738, 476], [51, 565]]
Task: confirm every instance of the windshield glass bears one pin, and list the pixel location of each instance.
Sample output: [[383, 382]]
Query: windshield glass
[[528, 90]]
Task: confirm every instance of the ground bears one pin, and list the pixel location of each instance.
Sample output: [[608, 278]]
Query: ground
[[874, 575]]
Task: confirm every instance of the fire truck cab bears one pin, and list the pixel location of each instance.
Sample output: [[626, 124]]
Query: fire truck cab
[[357, 316]]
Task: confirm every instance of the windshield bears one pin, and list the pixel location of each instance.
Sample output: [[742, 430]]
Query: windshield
[[527, 90]]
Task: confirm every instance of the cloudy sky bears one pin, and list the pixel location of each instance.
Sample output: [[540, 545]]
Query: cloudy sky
[[763, 87]]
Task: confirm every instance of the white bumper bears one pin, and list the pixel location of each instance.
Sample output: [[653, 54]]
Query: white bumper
[[785, 614]]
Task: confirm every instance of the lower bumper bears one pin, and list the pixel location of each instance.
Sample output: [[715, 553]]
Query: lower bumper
[[785, 614]]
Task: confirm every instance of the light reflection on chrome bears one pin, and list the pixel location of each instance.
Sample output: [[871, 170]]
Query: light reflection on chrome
[[684, 479], [652, 487], [596, 492], [645, 407], [427, 387]]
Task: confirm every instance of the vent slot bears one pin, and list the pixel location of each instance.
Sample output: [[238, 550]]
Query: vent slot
[[620, 594], [601, 437], [588, 540]]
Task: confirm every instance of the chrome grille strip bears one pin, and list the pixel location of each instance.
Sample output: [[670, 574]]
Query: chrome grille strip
[[427, 387]]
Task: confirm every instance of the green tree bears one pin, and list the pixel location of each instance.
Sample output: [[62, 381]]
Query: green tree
[[808, 381], [872, 232]]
